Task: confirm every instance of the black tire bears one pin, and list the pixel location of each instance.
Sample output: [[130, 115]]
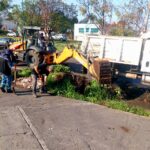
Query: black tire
[[32, 58]]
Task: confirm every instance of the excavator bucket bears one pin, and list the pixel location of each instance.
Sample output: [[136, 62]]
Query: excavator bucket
[[101, 70]]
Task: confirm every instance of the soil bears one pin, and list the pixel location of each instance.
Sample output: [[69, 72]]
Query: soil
[[133, 93], [141, 101]]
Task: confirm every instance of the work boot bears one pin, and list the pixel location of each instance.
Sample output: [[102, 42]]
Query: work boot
[[43, 90], [9, 91], [34, 95], [2, 90]]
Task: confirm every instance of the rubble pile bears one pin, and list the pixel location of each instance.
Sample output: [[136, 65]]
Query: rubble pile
[[26, 82]]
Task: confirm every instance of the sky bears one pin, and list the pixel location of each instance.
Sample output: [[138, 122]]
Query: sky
[[17, 2]]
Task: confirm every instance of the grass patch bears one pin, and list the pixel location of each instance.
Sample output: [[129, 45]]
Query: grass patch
[[15, 38], [24, 72], [95, 93], [60, 45], [62, 86], [121, 105], [61, 68]]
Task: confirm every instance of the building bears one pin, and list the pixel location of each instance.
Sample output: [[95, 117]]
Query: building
[[9, 25], [82, 29]]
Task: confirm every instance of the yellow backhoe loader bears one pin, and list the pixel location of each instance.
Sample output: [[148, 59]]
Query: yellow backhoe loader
[[98, 69], [31, 54]]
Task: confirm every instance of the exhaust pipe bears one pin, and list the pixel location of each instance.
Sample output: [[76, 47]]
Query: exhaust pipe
[[129, 75]]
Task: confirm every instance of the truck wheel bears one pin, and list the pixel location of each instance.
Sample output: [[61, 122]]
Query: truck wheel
[[32, 58]]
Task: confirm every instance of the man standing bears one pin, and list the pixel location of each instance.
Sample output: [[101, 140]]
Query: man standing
[[6, 60], [38, 72]]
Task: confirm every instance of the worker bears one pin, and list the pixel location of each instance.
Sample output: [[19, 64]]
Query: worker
[[42, 42], [6, 63], [39, 71]]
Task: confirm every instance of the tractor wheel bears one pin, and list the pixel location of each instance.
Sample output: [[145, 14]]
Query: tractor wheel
[[32, 58]]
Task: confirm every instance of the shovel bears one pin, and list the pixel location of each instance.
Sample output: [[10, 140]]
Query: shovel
[[15, 78]]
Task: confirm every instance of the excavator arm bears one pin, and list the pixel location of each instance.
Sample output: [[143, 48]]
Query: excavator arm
[[99, 69], [68, 53]]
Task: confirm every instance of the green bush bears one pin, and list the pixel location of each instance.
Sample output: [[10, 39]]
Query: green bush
[[94, 92], [62, 86], [61, 68], [24, 73]]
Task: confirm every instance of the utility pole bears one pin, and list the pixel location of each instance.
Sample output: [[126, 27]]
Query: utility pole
[[103, 16], [22, 3], [45, 18], [148, 17], [23, 34]]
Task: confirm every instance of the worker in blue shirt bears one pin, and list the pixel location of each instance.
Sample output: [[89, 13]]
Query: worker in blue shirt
[[6, 63]]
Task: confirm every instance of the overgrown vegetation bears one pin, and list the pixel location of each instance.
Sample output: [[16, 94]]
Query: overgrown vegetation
[[121, 105], [61, 68], [62, 85], [26, 72], [59, 84], [60, 45]]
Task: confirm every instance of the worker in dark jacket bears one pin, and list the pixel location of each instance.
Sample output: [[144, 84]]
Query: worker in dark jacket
[[5, 71], [6, 62], [38, 71]]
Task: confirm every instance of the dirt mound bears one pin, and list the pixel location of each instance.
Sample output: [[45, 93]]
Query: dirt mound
[[136, 96], [145, 97]]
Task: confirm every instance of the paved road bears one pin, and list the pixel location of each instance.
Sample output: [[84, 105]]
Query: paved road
[[15, 132], [58, 123]]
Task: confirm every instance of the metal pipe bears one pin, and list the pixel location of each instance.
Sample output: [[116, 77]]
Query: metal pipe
[[130, 75]]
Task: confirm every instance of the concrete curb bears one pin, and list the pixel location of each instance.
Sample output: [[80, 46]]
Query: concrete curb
[[39, 139]]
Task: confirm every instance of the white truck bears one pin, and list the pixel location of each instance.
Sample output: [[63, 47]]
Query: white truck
[[129, 56]]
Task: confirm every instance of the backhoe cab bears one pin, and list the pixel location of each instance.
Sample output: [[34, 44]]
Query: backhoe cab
[[33, 39]]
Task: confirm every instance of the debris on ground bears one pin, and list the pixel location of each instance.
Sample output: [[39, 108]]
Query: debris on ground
[[26, 82]]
